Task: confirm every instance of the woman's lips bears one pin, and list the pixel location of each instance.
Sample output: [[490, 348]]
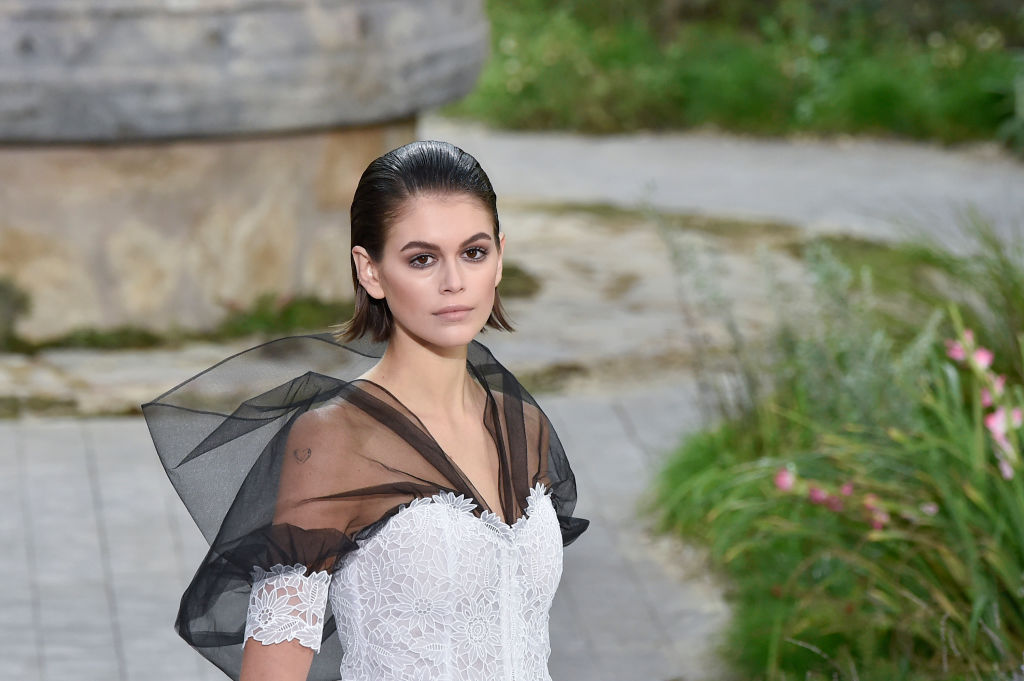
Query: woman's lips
[[453, 313]]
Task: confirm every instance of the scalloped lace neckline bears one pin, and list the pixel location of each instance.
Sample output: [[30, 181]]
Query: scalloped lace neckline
[[464, 504]]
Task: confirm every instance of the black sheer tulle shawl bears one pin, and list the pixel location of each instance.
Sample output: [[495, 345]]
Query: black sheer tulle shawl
[[282, 455]]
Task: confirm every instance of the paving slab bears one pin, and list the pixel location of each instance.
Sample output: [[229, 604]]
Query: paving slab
[[645, 613]]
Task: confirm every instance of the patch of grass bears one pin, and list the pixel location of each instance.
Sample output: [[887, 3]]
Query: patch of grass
[[272, 315], [268, 316], [558, 66], [117, 338], [517, 282], [13, 303], [618, 217], [902, 275], [552, 378], [738, 230], [988, 284], [14, 407], [912, 278], [895, 268]]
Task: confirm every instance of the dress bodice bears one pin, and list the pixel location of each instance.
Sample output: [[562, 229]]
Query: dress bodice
[[437, 593]]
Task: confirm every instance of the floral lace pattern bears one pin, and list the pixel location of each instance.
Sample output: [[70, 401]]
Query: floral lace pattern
[[285, 604], [441, 594]]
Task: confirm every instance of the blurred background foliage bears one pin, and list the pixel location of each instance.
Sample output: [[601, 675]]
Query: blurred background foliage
[[947, 70], [856, 494]]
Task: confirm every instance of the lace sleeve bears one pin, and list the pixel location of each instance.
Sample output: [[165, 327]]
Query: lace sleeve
[[286, 604]]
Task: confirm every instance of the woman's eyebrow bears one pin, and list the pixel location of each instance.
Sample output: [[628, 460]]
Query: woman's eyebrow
[[426, 245]]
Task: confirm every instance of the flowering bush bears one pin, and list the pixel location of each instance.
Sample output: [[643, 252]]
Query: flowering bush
[[1006, 417], [930, 521], [874, 549]]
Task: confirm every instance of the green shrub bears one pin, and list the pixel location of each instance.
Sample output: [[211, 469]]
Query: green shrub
[[608, 68], [870, 20], [911, 563], [925, 545]]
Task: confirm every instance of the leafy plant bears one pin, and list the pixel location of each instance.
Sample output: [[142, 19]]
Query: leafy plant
[[766, 68], [988, 278], [870, 505]]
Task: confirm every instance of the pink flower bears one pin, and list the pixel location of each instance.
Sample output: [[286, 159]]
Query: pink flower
[[1016, 417], [834, 503], [983, 357], [996, 422], [879, 519], [955, 350], [817, 495], [1005, 469], [784, 479], [1004, 444], [997, 384], [929, 508], [871, 501], [847, 489]]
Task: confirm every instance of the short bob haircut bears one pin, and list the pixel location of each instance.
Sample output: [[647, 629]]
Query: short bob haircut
[[428, 168]]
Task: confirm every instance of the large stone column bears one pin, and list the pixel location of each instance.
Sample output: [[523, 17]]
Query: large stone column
[[161, 162]]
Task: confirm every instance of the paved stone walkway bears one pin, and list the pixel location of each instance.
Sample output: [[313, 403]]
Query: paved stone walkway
[[98, 549], [873, 188]]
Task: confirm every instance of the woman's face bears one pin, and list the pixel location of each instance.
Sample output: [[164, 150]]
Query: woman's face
[[438, 269]]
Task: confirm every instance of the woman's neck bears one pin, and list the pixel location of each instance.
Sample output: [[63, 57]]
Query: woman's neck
[[428, 380]]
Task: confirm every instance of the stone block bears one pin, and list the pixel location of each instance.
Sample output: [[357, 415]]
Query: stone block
[[117, 70], [177, 235]]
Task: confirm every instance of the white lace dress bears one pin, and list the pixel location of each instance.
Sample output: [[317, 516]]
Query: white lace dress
[[437, 594]]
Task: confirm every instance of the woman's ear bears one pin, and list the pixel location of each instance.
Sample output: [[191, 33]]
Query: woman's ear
[[501, 253], [367, 272]]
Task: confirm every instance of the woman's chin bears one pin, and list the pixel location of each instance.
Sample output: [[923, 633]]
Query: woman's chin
[[448, 337]]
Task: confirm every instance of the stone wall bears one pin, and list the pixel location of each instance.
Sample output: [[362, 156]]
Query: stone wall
[[164, 161], [175, 234], [117, 70]]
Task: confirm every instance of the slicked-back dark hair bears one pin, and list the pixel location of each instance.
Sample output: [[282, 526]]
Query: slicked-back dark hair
[[427, 168]]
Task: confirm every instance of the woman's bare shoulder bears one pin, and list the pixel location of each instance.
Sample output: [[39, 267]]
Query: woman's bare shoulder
[[533, 416], [332, 425], [535, 421]]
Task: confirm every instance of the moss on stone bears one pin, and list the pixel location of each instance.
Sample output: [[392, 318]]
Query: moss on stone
[[517, 282]]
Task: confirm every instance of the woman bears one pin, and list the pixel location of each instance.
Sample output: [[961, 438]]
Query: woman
[[405, 478]]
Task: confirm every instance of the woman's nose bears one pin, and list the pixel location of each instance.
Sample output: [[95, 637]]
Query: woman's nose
[[451, 281]]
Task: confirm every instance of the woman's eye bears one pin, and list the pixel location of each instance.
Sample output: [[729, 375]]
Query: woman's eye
[[476, 253], [421, 260]]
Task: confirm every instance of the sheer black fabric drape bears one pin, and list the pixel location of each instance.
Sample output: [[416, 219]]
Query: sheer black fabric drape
[[227, 439]]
